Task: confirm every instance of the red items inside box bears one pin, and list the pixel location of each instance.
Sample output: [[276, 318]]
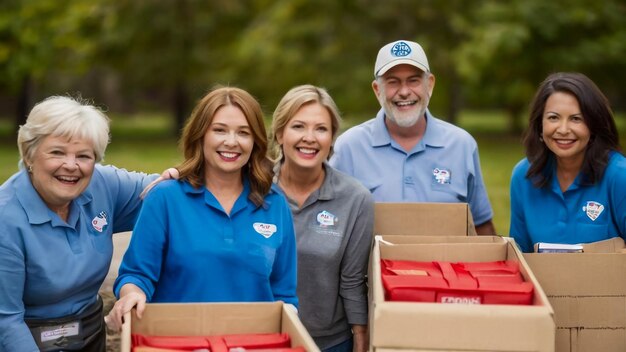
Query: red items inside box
[[273, 342], [498, 282]]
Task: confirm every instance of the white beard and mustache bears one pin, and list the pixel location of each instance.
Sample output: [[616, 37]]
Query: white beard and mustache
[[402, 119]]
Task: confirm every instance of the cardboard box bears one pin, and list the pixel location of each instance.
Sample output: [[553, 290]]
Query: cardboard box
[[423, 219], [410, 326], [588, 293], [197, 319]]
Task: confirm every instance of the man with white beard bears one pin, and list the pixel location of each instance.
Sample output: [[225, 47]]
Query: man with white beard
[[405, 154]]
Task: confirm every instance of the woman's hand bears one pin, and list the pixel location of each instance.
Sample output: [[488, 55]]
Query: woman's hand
[[171, 173], [130, 296]]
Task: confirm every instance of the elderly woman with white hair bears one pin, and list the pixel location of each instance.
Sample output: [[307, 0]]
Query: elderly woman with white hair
[[57, 217]]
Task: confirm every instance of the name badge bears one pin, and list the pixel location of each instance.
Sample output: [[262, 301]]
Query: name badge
[[49, 333]]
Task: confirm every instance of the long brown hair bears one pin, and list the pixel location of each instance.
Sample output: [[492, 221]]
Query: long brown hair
[[258, 170]]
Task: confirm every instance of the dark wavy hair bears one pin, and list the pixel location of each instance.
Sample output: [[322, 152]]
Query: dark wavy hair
[[597, 115], [258, 170]]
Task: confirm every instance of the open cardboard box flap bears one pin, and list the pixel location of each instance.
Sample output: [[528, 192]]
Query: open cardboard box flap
[[423, 219]]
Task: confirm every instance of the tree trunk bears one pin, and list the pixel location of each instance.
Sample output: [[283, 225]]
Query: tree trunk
[[181, 94], [24, 101], [454, 96], [515, 119], [181, 98]]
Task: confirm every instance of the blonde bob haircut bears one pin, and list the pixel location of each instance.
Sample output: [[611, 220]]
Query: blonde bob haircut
[[258, 168], [294, 100], [58, 116]]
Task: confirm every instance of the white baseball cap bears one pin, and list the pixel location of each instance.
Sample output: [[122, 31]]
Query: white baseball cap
[[400, 52]]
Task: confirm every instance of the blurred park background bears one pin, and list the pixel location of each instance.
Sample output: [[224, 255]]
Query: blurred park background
[[146, 62]]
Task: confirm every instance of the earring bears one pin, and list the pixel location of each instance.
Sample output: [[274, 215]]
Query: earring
[[30, 169], [540, 139]]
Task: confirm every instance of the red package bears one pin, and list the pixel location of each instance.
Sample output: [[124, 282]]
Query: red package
[[258, 341], [496, 282], [218, 343], [184, 343]]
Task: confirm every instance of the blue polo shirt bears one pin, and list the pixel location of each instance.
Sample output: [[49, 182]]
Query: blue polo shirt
[[443, 167], [581, 214], [50, 268], [185, 248]]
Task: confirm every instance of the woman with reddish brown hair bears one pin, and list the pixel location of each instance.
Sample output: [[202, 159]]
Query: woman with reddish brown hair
[[218, 233]]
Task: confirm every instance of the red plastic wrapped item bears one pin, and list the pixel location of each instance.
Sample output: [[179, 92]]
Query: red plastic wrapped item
[[183, 343], [156, 349], [473, 283], [218, 343]]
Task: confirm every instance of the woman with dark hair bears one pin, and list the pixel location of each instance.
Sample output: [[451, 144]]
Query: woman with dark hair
[[218, 233], [571, 187]]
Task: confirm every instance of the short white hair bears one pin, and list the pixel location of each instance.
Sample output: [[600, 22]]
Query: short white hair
[[63, 117]]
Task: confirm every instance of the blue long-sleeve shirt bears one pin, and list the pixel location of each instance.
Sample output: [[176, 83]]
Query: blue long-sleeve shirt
[[185, 248], [50, 268]]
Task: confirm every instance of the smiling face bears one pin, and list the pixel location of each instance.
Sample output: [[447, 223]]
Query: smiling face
[[228, 142], [61, 170], [565, 132], [404, 92], [307, 137]]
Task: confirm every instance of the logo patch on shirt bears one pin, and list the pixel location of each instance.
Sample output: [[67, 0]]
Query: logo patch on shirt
[[100, 221], [266, 230], [441, 176], [593, 209], [325, 219]]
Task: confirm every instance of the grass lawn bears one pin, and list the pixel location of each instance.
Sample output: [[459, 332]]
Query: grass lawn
[[146, 145]]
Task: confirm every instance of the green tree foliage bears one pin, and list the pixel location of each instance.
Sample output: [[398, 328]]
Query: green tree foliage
[[40, 37], [165, 53], [514, 45], [172, 49]]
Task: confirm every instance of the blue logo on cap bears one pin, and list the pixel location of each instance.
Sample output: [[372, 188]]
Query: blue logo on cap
[[400, 49]]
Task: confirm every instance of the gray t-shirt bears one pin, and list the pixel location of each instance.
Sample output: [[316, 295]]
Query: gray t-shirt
[[333, 238]]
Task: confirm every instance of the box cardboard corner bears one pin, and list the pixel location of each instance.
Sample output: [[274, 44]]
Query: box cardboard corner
[[588, 293]]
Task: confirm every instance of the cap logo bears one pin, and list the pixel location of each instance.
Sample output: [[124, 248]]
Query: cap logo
[[400, 49]]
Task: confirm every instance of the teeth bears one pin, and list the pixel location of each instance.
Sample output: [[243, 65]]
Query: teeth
[[307, 151], [564, 141], [67, 178], [228, 155], [405, 103]]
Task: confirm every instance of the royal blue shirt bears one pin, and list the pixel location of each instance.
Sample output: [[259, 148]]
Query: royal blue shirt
[[443, 167], [581, 214], [50, 268], [185, 248]]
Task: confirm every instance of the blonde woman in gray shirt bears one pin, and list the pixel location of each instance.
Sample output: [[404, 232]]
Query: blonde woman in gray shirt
[[333, 217]]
